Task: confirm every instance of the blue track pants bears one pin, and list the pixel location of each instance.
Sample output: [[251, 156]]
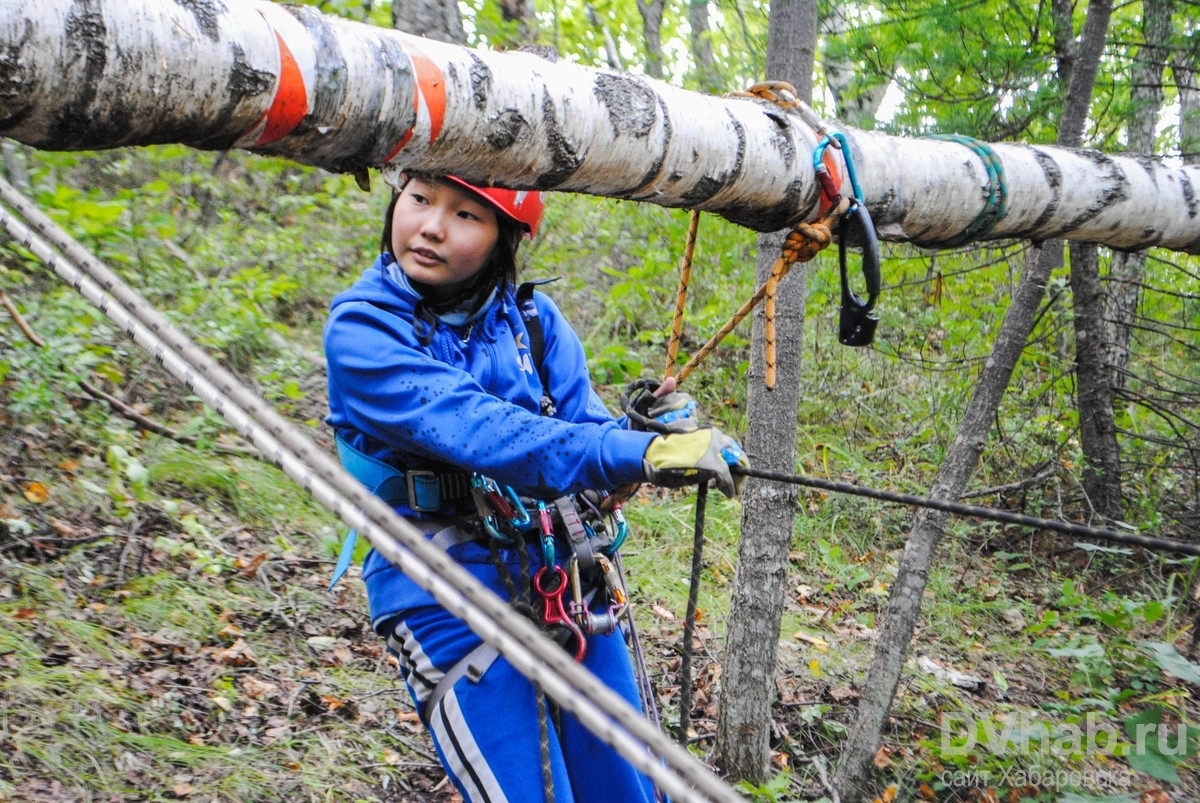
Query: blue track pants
[[486, 732]]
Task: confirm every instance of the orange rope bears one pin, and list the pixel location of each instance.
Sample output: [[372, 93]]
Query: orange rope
[[803, 242], [685, 277]]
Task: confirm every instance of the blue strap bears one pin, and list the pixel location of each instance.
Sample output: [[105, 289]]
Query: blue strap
[[389, 484], [344, 557]]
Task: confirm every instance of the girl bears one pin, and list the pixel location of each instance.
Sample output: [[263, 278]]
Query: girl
[[466, 404]]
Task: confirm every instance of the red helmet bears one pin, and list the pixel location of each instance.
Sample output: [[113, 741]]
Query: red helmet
[[523, 206]]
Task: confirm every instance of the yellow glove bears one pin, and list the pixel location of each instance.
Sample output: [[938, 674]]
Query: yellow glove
[[689, 458]]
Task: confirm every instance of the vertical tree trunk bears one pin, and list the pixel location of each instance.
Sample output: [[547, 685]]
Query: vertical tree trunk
[[855, 107], [1101, 478], [1184, 66], [904, 603], [1127, 268], [435, 19], [14, 165], [706, 66], [652, 17], [768, 515], [611, 54], [1120, 296]]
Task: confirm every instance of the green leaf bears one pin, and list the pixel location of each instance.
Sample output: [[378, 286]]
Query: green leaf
[[1086, 651], [1168, 659], [1154, 764]]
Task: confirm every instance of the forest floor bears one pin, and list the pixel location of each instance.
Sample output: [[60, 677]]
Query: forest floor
[[182, 652]]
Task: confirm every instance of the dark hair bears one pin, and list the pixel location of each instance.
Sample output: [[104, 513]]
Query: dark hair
[[500, 271]]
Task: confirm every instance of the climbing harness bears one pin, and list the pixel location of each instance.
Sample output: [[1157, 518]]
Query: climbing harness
[[857, 322], [570, 605]]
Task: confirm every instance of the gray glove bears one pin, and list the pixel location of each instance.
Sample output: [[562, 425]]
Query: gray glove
[[676, 411], [688, 458]]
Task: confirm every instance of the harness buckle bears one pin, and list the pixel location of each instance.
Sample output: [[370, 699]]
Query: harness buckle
[[424, 490]]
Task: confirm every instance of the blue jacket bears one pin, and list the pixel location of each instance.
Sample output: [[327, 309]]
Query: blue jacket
[[469, 399]]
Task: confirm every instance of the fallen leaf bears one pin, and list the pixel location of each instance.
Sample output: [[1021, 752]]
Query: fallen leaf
[[883, 760], [230, 631], [320, 642], [249, 566], [182, 789], [69, 465], [842, 694], [816, 641], [341, 656], [662, 612], [36, 492], [238, 654], [63, 528], [258, 689]]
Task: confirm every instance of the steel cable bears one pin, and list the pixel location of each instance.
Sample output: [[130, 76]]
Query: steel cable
[[978, 511]]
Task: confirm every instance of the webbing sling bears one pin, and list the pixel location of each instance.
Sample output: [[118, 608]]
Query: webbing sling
[[537, 338]]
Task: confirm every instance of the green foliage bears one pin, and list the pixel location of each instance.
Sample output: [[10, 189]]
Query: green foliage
[[773, 791]]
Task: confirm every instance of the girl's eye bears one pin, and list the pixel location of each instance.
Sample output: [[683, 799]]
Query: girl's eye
[[463, 213], [418, 198]]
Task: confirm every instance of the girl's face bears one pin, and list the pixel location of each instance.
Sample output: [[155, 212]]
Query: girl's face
[[442, 234]]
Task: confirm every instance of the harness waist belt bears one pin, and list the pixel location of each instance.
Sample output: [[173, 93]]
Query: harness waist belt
[[420, 490]]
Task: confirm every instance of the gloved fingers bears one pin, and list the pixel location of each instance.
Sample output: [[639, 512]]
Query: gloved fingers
[[676, 411], [688, 458], [734, 456]]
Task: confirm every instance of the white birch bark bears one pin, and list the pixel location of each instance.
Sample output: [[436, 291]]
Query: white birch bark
[[90, 74]]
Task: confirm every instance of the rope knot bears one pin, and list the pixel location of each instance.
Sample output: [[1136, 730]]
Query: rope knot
[[806, 240], [781, 93]]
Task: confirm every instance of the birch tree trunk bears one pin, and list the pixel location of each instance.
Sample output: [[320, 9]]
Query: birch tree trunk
[[1184, 67], [904, 603], [1127, 268], [1104, 315], [347, 97], [855, 107], [769, 509]]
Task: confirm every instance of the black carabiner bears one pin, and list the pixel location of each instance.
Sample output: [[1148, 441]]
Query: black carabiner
[[856, 325]]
